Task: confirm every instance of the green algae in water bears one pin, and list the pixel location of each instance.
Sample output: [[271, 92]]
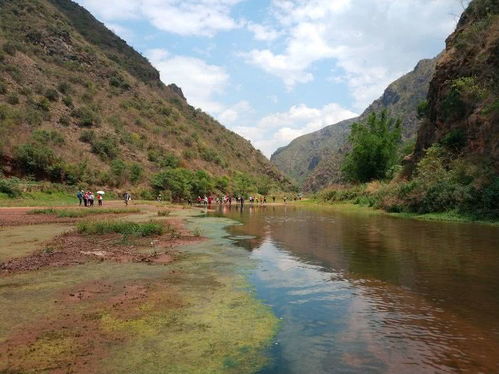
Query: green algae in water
[[222, 328], [217, 326]]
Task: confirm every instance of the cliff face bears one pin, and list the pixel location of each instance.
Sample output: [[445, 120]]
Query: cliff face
[[314, 160], [463, 99], [75, 98]]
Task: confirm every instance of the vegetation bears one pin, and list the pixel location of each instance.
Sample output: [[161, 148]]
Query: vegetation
[[444, 182], [374, 148], [75, 213], [121, 227]]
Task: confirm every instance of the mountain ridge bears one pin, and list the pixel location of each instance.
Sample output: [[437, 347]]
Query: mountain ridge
[[313, 160]]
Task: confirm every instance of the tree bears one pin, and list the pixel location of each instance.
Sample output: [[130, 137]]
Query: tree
[[374, 148]]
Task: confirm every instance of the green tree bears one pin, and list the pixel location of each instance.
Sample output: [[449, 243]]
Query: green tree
[[374, 148]]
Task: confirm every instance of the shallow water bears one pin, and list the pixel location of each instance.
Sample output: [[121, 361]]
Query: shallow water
[[368, 293]]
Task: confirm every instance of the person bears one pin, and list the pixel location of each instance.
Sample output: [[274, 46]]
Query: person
[[85, 198], [91, 198], [99, 199], [285, 199], [79, 195], [273, 199], [160, 197], [241, 200], [126, 198]]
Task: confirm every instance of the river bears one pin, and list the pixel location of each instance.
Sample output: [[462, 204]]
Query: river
[[368, 293]]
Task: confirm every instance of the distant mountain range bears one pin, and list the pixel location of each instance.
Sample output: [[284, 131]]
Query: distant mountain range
[[313, 161]]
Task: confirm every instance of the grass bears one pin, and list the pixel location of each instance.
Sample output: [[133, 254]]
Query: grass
[[164, 213], [75, 213], [121, 227]]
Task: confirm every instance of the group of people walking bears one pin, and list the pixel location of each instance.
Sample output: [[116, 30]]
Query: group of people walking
[[88, 198]]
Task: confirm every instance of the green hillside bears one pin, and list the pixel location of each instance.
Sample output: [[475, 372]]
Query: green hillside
[[78, 105]]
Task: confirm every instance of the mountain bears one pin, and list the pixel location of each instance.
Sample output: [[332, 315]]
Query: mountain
[[313, 160], [77, 104], [463, 99]]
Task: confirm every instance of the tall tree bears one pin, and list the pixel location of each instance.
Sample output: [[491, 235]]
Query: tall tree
[[374, 148]]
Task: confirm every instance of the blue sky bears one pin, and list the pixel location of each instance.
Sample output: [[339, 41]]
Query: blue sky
[[272, 70]]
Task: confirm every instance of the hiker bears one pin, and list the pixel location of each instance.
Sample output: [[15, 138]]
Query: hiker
[[85, 198], [91, 198], [79, 195], [126, 198], [99, 199], [273, 199]]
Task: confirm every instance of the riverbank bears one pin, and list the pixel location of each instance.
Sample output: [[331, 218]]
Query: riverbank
[[168, 296], [364, 209]]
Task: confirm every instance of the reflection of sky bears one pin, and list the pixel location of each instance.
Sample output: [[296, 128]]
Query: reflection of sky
[[331, 324]]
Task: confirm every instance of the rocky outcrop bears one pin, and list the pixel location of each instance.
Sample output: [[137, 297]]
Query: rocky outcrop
[[463, 99]]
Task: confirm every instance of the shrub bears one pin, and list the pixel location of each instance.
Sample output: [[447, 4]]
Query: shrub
[[87, 136], [65, 120], [68, 101], [52, 95], [10, 186], [13, 99], [35, 159], [64, 88], [86, 117], [3, 88], [48, 136], [422, 110], [136, 172], [105, 147], [42, 104], [10, 48]]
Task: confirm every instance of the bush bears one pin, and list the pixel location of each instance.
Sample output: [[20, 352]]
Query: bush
[[136, 172], [35, 159], [105, 147], [10, 48], [68, 101], [65, 120], [10, 186], [52, 95], [87, 136], [42, 104], [48, 136], [64, 88], [13, 99], [86, 117]]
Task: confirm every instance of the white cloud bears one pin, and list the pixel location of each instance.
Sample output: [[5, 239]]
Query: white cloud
[[199, 81], [234, 113], [183, 17], [262, 32], [278, 129], [372, 42]]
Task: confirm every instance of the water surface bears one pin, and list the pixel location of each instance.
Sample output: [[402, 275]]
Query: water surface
[[369, 293]]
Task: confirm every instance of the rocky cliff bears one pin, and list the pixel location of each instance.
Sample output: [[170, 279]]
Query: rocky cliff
[[463, 99]]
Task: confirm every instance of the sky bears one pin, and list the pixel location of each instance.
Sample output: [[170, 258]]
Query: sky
[[273, 70]]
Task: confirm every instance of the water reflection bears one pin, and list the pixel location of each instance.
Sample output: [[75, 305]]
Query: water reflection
[[362, 293]]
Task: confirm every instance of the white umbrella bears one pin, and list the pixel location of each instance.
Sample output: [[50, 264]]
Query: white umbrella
[[101, 193]]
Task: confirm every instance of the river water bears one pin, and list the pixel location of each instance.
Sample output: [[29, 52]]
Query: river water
[[368, 293]]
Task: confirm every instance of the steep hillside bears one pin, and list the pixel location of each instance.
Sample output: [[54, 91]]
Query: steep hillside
[[463, 99], [314, 160], [77, 104]]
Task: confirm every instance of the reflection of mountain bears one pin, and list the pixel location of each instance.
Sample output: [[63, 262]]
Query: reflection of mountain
[[453, 263]]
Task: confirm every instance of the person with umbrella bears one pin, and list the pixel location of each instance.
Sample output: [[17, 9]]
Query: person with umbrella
[[100, 197]]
